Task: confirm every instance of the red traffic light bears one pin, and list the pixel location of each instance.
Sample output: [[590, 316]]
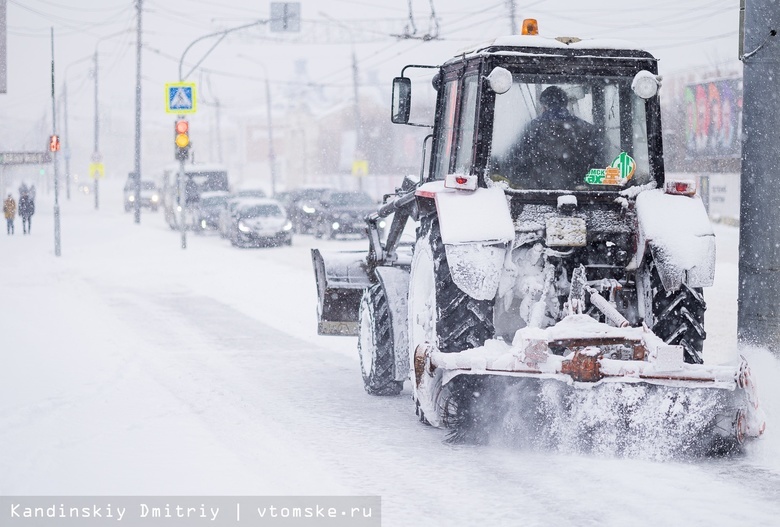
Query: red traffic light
[[54, 143], [182, 127]]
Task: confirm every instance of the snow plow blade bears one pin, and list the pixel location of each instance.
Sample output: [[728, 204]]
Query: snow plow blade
[[606, 376], [341, 278]]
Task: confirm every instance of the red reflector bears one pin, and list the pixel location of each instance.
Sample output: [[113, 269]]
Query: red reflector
[[460, 180], [682, 187]]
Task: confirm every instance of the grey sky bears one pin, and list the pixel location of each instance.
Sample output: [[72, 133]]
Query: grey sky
[[683, 34]]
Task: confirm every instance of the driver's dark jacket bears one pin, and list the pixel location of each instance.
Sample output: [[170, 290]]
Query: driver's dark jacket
[[556, 150]]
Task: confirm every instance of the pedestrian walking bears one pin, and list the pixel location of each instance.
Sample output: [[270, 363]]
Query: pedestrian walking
[[26, 210], [9, 209]]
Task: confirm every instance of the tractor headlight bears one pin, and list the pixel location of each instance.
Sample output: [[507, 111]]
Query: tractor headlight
[[335, 225], [243, 227], [382, 224], [131, 198], [287, 226], [202, 224], [308, 209], [155, 198]]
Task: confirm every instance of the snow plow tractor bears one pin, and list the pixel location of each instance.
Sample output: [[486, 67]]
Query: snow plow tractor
[[555, 288]]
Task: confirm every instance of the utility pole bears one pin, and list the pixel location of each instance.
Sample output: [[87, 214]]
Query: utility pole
[[358, 135], [758, 321], [57, 247], [512, 16], [66, 140], [137, 201], [96, 147]]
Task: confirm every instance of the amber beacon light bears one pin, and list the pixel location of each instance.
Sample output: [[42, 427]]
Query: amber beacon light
[[530, 27]]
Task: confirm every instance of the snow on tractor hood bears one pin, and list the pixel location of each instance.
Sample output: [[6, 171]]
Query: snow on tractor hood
[[478, 216]]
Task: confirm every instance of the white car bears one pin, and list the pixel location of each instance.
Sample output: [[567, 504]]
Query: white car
[[260, 222], [150, 195]]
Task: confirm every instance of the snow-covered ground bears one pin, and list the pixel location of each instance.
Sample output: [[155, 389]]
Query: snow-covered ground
[[131, 366]]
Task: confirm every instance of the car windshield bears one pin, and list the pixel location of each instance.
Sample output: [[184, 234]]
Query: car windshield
[[551, 133], [310, 193], [256, 211], [210, 181], [213, 201], [148, 185], [350, 199], [250, 194]]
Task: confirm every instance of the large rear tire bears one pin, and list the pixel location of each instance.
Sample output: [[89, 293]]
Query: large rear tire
[[375, 343], [441, 316], [677, 316], [462, 322]]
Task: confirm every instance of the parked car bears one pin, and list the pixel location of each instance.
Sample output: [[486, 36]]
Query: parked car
[[260, 222], [150, 194], [340, 212], [301, 206], [205, 214]]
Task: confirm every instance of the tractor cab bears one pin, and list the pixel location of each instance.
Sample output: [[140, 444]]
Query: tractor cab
[[545, 114]]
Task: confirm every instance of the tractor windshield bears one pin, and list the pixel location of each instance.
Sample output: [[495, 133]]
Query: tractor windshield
[[552, 133]]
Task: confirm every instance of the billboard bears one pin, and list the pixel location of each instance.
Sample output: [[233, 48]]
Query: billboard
[[713, 118]]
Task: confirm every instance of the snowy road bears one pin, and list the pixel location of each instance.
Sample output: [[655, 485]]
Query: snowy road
[[129, 366]]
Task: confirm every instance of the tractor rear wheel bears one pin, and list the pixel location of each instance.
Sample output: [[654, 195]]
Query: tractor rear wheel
[[460, 321], [677, 316]]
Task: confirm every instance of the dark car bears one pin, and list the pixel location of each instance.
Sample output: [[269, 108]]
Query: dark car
[[301, 206], [340, 212], [205, 213], [260, 222]]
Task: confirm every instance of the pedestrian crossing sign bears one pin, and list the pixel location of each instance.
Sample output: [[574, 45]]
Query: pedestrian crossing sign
[[97, 170], [180, 97]]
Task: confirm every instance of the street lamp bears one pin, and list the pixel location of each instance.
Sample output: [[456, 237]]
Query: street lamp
[[271, 153]]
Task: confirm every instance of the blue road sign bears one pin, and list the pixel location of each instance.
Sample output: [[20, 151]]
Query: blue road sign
[[180, 97]]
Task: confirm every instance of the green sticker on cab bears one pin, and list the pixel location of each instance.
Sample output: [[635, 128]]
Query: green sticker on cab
[[619, 172]]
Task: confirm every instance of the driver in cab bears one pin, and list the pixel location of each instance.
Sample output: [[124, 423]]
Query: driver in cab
[[556, 150]]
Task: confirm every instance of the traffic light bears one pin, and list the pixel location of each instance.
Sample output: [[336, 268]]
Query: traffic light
[[182, 139], [54, 143]]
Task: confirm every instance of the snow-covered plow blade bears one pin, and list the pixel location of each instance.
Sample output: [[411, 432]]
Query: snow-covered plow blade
[[613, 384], [341, 278]]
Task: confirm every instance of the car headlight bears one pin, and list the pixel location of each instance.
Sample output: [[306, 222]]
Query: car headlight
[[131, 198], [243, 227], [287, 226], [155, 197], [335, 225], [202, 224], [309, 209], [178, 208]]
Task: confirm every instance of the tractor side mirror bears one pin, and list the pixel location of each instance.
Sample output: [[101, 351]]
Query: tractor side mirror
[[402, 100]]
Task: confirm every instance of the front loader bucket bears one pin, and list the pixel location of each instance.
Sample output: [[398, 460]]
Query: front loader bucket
[[341, 278]]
